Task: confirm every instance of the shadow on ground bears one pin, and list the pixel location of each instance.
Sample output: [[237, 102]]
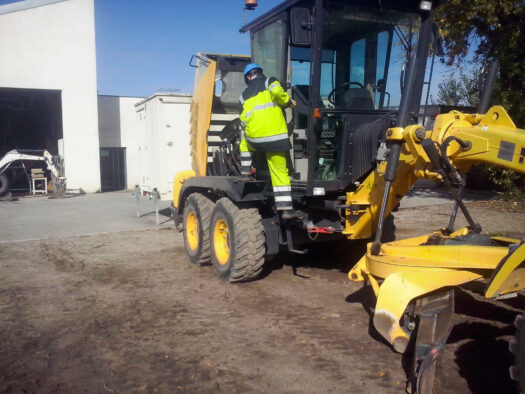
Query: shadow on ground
[[333, 255], [164, 215], [482, 347], [477, 348]]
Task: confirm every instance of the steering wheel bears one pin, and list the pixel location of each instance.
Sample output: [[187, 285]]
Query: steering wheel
[[331, 96]]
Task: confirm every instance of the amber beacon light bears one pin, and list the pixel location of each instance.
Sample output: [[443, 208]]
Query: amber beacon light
[[250, 4]]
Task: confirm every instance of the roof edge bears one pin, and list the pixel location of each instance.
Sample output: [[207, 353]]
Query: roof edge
[[25, 5], [160, 94]]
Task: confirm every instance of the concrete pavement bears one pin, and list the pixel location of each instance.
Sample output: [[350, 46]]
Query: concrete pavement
[[38, 217]]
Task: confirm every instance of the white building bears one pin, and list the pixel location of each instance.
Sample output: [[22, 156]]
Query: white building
[[118, 126], [48, 100], [48, 84], [144, 142]]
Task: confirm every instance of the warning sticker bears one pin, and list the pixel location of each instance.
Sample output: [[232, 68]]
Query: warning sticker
[[506, 150]]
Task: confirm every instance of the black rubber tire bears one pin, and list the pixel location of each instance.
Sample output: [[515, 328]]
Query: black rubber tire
[[517, 347], [202, 207], [4, 184], [246, 242]]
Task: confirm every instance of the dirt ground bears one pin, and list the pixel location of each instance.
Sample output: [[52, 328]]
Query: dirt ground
[[127, 312]]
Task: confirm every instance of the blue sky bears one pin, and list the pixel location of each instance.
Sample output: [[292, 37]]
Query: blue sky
[[145, 45]]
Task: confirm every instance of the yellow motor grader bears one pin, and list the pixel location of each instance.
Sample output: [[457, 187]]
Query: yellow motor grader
[[357, 72]]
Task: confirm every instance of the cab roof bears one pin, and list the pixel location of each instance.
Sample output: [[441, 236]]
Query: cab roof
[[284, 6]]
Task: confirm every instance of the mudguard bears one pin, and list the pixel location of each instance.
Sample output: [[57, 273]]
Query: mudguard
[[217, 187]]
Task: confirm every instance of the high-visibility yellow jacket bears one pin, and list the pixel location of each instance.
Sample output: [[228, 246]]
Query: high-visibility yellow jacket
[[262, 115]]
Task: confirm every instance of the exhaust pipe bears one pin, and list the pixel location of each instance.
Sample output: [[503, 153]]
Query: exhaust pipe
[[490, 81]]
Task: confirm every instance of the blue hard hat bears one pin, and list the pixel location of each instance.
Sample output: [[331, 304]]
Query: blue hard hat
[[250, 67]]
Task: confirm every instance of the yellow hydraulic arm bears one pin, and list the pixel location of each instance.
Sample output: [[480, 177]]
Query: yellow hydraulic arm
[[408, 276], [493, 139], [490, 138]]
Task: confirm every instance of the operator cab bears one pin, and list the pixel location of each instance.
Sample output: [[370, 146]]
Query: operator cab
[[345, 63]]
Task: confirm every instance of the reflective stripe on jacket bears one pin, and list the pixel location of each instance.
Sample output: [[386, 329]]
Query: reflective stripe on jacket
[[262, 116]]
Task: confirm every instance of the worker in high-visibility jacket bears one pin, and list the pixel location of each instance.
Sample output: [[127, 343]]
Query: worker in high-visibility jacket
[[265, 130]]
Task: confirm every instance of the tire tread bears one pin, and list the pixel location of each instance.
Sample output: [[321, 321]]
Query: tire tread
[[249, 242], [517, 348], [204, 211]]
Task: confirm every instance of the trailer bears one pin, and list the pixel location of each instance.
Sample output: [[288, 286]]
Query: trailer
[[163, 140]]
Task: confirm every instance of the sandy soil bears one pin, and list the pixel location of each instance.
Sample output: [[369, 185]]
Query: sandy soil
[[127, 312]]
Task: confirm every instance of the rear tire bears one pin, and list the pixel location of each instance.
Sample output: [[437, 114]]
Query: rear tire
[[196, 224], [237, 242], [4, 184], [517, 347]]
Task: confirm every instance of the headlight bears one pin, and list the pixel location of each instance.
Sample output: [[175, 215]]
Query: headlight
[[425, 5], [319, 191]]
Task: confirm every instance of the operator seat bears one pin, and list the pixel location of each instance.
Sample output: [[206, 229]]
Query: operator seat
[[358, 99]]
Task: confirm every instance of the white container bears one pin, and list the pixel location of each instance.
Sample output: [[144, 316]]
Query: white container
[[163, 141]]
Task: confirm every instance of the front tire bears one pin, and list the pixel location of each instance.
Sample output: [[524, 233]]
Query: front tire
[[196, 223], [237, 242], [517, 347]]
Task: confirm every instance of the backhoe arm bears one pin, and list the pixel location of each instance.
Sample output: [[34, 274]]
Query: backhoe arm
[[460, 140], [412, 279], [415, 267], [492, 138], [14, 155]]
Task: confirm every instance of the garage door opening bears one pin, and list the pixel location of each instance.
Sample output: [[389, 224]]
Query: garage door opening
[[30, 121]]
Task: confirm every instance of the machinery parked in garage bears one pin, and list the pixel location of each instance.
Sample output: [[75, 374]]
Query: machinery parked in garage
[[357, 71], [9, 168]]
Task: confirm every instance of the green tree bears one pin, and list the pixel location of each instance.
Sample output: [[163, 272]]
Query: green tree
[[489, 28], [463, 89]]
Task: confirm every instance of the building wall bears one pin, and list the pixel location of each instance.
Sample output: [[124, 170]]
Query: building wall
[[52, 46], [118, 128]]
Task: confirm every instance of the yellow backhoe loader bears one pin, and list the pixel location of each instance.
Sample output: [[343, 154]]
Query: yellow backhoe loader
[[357, 72]]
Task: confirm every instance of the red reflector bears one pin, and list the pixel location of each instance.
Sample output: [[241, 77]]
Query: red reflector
[[317, 113], [324, 230]]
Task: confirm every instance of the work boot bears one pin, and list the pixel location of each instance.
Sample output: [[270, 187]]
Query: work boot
[[290, 214]]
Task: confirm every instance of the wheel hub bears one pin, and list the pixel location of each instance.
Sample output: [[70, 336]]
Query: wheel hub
[[221, 241], [192, 231]]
